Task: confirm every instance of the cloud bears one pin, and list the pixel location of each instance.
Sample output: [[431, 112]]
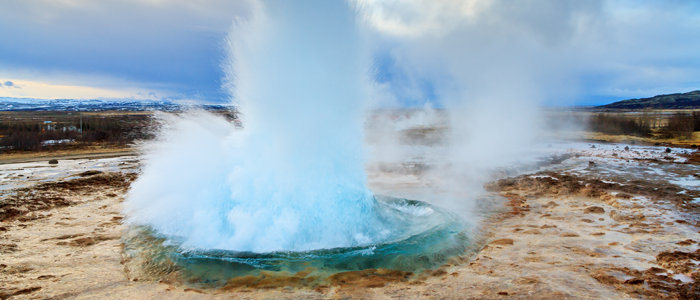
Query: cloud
[[9, 84], [493, 63], [570, 50], [45, 90], [173, 43], [554, 52], [420, 17]]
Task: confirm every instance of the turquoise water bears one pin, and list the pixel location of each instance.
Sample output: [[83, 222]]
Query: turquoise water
[[425, 238]]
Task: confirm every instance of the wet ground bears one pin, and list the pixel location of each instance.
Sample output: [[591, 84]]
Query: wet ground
[[573, 221]]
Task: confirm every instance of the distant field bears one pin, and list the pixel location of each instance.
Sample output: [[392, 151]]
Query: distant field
[[668, 126], [36, 134], [25, 133]]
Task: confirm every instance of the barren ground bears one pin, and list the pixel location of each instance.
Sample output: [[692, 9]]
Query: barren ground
[[600, 223]]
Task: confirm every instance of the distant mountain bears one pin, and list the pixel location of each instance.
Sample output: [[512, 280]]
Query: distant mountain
[[21, 104], [671, 101]]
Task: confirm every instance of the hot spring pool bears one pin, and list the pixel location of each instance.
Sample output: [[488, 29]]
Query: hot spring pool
[[425, 237]]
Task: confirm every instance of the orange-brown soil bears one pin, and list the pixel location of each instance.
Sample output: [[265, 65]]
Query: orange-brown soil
[[559, 236]]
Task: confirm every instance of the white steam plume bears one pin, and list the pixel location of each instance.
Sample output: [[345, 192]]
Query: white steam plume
[[293, 177]]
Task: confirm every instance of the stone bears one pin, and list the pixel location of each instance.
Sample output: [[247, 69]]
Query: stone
[[502, 242], [594, 210]]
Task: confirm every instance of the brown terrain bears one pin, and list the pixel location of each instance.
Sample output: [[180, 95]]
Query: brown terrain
[[561, 237], [554, 234]]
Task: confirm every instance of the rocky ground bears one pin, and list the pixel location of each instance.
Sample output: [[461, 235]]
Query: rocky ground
[[596, 223]]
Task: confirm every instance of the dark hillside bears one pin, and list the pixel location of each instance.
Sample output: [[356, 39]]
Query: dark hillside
[[689, 100]]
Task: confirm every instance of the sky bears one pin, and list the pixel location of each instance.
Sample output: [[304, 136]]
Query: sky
[[434, 52]]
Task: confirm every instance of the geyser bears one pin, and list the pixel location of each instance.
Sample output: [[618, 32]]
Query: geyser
[[292, 179]]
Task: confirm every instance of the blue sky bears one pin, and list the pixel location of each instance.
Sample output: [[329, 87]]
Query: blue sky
[[556, 52], [120, 48]]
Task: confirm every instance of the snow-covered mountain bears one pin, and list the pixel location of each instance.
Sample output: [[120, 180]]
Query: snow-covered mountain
[[24, 104]]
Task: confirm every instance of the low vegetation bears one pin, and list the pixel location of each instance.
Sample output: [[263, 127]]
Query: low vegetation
[[620, 124], [34, 131], [679, 125]]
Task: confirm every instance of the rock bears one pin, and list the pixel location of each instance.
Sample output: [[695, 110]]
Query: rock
[[502, 242], [678, 261], [62, 237], [634, 281], [687, 242], [83, 242], [668, 150], [614, 154], [591, 164], [569, 234], [89, 173], [6, 294], [605, 278], [53, 162], [593, 146], [587, 220], [627, 148], [620, 217], [527, 280], [551, 204], [8, 248], [17, 269], [594, 210]]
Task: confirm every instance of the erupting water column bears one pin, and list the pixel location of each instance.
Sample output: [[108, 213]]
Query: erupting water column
[[293, 178], [288, 191]]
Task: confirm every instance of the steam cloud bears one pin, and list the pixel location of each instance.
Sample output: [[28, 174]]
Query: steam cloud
[[293, 178]]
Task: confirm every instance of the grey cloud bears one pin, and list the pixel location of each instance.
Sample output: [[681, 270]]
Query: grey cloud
[[175, 43], [9, 84], [495, 67], [558, 52]]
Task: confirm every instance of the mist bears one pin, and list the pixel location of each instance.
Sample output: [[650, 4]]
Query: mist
[[314, 83], [491, 68], [292, 179], [483, 71]]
